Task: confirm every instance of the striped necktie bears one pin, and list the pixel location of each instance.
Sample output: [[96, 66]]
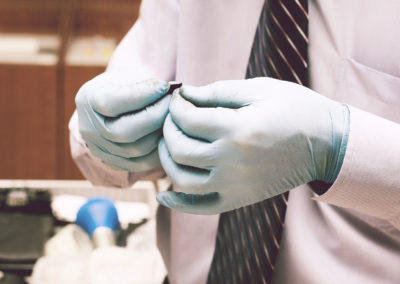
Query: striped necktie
[[248, 238]]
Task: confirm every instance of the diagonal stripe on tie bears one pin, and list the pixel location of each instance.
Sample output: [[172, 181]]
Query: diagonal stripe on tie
[[248, 238]]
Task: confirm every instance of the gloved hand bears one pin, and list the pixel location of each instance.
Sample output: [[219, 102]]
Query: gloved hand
[[120, 118], [235, 143]]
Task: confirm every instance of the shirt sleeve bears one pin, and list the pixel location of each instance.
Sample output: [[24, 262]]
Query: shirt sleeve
[[369, 180], [148, 48], [150, 45]]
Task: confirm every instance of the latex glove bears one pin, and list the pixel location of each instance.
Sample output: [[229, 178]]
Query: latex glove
[[120, 118], [235, 143]]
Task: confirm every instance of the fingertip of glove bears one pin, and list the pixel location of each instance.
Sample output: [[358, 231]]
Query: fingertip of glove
[[188, 91], [160, 85]]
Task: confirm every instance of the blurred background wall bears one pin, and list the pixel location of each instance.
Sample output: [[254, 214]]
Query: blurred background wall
[[48, 49]]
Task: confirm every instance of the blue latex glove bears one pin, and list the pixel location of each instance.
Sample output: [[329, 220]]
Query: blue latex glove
[[235, 143], [121, 117]]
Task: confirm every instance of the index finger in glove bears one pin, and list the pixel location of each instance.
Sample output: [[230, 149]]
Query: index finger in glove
[[133, 126], [224, 94], [207, 123], [112, 99]]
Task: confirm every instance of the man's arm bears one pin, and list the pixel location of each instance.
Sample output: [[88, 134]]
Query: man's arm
[[369, 180], [263, 137], [150, 45], [148, 48]]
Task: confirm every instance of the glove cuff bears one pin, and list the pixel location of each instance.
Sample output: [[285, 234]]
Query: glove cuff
[[339, 144]]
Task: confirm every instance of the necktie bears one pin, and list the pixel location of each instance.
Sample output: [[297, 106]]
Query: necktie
[[248, 238]]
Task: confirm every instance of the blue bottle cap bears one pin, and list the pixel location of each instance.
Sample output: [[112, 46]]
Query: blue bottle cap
[[97, 212]]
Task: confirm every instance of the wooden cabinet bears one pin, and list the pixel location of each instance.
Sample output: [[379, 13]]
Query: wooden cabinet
[[37, 98], [28, 121]]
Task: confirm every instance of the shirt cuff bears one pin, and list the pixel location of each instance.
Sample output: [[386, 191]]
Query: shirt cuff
[[369, 179]]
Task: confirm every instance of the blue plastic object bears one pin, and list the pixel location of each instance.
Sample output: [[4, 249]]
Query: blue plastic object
[[97, 212]]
